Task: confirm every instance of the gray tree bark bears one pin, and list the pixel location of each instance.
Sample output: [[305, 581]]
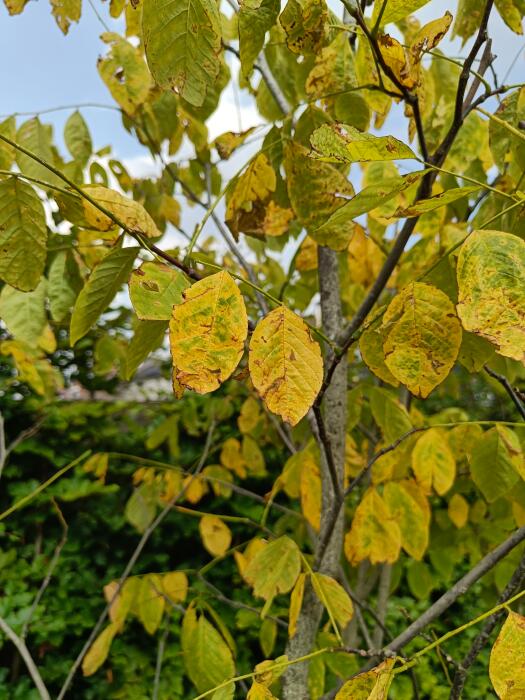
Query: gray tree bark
[[295, 680]]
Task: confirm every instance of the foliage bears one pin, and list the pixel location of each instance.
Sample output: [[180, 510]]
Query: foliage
[[360, 465]]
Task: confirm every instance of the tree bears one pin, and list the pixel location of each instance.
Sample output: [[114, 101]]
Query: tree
[[404, 295]]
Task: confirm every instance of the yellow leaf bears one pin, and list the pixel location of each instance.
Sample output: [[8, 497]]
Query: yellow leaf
[[491, 281], [99, 650], [413, 519], [395, 57], [306, 258], [194, 489], [274, 569], [433, 462], [285, 364], [249, 416], [125, 73], [334, 597], [175, 586], [310, 490], [207, 333], [305, 25], [150, 602], [258, 691], [364, 258], [131, 213], [216, 535], [65, 12], [423, 337], [371, 347], [227, 143], [243, 559], [253, 456], [296, 603], [374, 534], [232, 458], [506, 668], [124, 601], [458, 510], [372, 685]]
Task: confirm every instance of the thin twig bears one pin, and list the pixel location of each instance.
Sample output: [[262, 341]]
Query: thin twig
[[508, 388], [28, 659], [132, 561]]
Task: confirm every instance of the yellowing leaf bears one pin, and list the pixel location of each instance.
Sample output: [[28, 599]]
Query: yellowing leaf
[[249, 416], [296, 603], [396, 10], [216, 535], [310, 490], [506, 668], [24, 313], [423, 337], [496, 462], [207, 333], [364, 258], [433, 462], [124, 601], [274, 569], [316, 190], [175, 586], [306, 258], [342, 143], [285, 364], [227, 143], [374, 534], [125, 73], [99, 290], [256, 17], [78, 138], [150, 602], [439, 200], [372, 685], [511, 12], [411, 516], [371, 347], [305, 25], [154, 289], [259, 691], [23, 234], [207, 657], [397, 59], [458, 510], [65, 12], [129, 212], [253, 456], [334, 597], [232, 458], [182, 40], [491, 281], [99, 650]]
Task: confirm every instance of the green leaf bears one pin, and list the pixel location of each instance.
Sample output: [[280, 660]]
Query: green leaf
[[506, 669], [23, 235], [267, 636], [154, 289], [342, 143], [24, 313], [148, 336], [496, 462], [104, 282], [511, 12], [182, 40], [65, 282], [125, 73], [468, 17], [256, 17], [305, 25], [78, 138], [36, 138], [423, 337], [395, 10], [433, 462], [142, 506], [388, 413], [7, 152], [439, 200], [491, 281], [274, 569], [503, 142], [316, 190], [207, 657]]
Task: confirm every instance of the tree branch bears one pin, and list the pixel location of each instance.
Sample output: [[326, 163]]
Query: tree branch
[[518, 577], [508, 388], [28, 659]]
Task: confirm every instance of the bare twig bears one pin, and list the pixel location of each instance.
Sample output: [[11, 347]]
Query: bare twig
[[28, 659], [158, 664], [508, 388], [133, 560]]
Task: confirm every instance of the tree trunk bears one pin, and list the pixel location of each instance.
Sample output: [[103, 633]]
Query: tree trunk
[[295, 680]]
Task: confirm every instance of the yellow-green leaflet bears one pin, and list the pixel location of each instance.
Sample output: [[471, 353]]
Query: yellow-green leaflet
[[207, 333], [285, 364], [342, 143], [491, 281]]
